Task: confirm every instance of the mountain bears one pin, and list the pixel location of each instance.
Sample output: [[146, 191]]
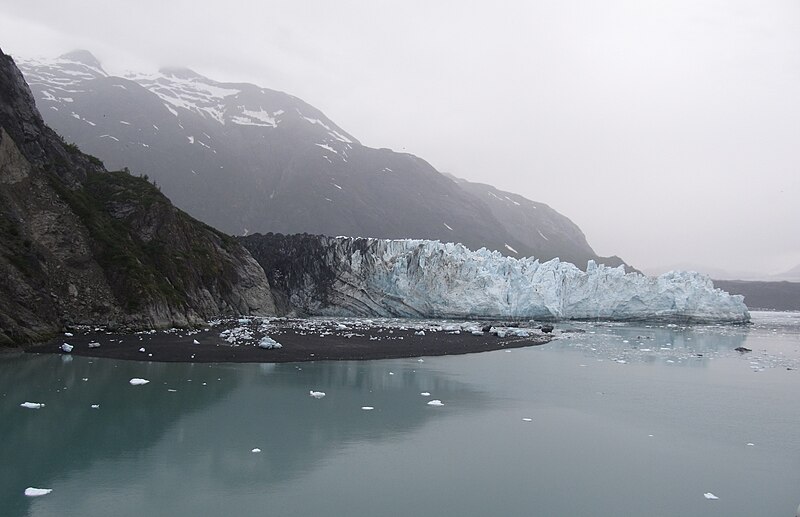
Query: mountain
[[83, 246], [321, 275], [758, 295], [792, 275], [248, 159]]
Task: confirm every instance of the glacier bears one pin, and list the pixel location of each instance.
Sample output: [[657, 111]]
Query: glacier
[[431, 279]]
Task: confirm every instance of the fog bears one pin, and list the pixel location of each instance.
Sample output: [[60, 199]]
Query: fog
[[668, 131]]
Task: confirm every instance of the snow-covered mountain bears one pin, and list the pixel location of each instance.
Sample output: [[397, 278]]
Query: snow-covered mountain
[[418, 278], [249, 159]]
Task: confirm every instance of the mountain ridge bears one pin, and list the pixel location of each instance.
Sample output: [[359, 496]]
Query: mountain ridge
[[249, 159]]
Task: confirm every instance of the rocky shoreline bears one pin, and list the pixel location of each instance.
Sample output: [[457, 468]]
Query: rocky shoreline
[[316, 339]]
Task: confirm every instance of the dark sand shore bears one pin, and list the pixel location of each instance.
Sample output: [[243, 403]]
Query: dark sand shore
[[323, 342]]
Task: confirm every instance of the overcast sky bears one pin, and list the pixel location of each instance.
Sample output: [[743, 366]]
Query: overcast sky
[[669, 131]]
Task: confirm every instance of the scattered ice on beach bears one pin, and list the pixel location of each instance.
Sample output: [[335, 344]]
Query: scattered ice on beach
[[138, 382], [367, 408], [36, 492], [94, 344], [316, 394], [709, 495], [268, 343], [419, 333], [195, 342], [526, 419], [66, 347], [425, 394], [477, 332], [68, 334], [95, 406], [256, 450], [436, 402], [32, 405]]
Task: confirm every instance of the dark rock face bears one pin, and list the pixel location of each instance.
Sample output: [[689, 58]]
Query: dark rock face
[[246, 159], [80, 245]]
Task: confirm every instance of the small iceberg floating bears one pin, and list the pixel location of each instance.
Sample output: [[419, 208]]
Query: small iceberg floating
[[526, 419], [367, 408], [436, 402], [425, 394], [709, 495], [195, 342], [316, 394], [268, 343], [36, 492], [138, 382], [66, 348], [94, 344], [32, 405], [256, 450]]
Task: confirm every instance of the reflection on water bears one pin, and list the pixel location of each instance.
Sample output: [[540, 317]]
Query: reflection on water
[[200, 418], [618, 425]]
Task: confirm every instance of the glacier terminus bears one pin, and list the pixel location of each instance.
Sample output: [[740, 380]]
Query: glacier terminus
[[431, 279]]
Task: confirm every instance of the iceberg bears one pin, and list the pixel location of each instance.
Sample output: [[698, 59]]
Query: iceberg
[[268, 343], [36, 492], [430, 279]]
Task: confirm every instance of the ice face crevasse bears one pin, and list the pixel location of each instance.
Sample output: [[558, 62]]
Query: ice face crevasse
[[419, 278]]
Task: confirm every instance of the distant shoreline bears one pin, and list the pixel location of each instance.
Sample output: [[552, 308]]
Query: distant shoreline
[[325, 342]]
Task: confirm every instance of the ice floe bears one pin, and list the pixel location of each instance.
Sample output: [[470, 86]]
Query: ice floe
[[138, 382], [67, 348], [316, 394], [436, 402], [36, 492], [32, 405]]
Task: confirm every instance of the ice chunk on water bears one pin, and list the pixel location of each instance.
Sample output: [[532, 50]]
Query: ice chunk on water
[[66, 347], [95, 406], [36, 492], [94, 344], [709, 495], [316, 394], [526, 419], [142, 350], [138, 382], [256, 450], [436, 402], [367, 408], [195, 342], [425, 394], [32, 405]]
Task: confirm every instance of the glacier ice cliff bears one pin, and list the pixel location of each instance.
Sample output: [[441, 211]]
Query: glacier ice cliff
[[418, 278]]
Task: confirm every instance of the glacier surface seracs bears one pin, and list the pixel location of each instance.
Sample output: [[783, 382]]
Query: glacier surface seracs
[[420, 278]]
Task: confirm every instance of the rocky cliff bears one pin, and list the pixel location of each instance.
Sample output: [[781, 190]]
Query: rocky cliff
[[81, 245]]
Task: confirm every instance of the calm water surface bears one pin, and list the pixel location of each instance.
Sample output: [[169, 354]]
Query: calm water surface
[[624, 420]]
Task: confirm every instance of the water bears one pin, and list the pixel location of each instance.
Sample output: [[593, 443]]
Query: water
[[643, 427]]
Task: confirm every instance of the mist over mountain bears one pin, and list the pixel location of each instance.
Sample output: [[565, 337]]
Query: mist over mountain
[[247, 159]]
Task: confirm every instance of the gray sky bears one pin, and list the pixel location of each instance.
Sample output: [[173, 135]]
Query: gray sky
[[669, 131]]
